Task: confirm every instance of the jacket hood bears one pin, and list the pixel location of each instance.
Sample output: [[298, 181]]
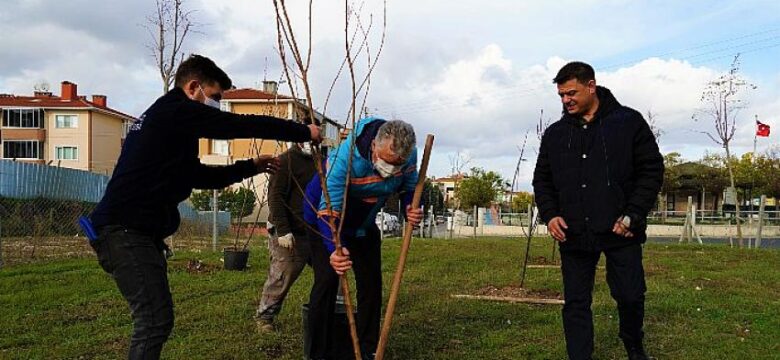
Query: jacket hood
[[607, 104]]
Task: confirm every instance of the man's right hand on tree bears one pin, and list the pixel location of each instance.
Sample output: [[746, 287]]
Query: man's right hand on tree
[[340, 263], [556, 227]]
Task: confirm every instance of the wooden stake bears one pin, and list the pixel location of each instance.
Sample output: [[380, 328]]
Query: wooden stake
[[531, 228], [510, 299], [399, 271]]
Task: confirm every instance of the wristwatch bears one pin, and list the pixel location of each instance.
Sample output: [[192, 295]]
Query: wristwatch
[[626, 220]]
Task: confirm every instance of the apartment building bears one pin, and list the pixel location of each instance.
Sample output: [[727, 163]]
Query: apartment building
[[67, 130], [265, 101]]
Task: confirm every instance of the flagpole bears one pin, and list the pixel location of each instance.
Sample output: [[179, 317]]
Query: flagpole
[[755, 139], [752, 173]]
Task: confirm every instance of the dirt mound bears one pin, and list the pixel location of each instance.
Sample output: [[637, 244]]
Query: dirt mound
[[518, 292]]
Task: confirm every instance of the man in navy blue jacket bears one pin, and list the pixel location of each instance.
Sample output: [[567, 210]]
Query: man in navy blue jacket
[[157, 169], [597, 177]]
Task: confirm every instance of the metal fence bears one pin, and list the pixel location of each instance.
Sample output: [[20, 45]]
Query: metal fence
[[40, 206], [714, 217]]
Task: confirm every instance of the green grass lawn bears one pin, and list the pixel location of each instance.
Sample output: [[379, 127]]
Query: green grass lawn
[[703, 302]]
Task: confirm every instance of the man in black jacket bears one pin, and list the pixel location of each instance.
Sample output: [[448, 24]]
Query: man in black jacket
[[157, 169], [288, 243], [597, 177]]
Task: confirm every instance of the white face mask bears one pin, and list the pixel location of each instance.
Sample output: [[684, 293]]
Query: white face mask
[[384, 169], [306, 148], [209, 101]]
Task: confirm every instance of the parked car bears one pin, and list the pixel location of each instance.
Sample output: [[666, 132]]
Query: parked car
[[390, 223]]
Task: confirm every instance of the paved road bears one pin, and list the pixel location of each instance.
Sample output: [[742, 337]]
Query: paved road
[[772, 243], [440, 231]]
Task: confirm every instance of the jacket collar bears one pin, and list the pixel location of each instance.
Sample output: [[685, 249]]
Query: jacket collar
[[177, 92], [607, 104]]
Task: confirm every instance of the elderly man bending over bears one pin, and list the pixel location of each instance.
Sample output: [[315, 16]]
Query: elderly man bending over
[[384, 161]]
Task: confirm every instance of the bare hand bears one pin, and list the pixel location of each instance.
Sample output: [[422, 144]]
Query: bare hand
[[556, 227], [316, 135], [414, 216], [267, 163], [340, 263], [621, 229]]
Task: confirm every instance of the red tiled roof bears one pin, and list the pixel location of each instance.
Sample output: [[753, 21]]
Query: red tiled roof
[[449, 178], [256, 94], [51, 101], [251, 94]]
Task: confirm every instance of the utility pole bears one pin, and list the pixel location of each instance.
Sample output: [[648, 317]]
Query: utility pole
[[214, 209]]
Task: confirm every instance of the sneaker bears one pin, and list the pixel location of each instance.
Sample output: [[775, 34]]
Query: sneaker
[[265, 326]]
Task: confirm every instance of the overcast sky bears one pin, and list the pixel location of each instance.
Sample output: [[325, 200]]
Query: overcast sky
[[474, 73]]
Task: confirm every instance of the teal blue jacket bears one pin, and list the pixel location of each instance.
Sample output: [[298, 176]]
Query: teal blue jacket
[[367, 191]]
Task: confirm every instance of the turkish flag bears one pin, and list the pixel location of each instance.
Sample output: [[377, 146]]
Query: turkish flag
[[762, 129]]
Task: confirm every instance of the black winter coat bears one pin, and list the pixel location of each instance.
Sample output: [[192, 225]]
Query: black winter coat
[[159, 166], [593, 173]]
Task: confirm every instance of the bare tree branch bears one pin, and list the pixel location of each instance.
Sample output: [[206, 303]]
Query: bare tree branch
[[724, 105], [168, 29]]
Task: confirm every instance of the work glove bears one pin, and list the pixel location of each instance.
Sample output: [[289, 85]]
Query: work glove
[[286, 241]]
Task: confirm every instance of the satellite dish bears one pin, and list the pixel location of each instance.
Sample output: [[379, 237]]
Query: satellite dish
[[42, 86]]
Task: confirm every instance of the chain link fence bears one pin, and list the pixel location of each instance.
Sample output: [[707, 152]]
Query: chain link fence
[[40, 206]]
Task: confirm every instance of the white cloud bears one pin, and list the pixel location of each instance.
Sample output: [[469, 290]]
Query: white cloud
[[484, 105], [475, 74]]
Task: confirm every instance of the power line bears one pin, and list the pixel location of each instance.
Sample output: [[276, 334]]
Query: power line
[[695, 47], [424, 106], [705, 45]]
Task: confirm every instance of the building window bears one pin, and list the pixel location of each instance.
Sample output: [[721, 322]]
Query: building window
[[331, 131], [220, 147], [23, 118], [670, 202], [24, 149], [66, 121], [67, 153], [224, 105], [127, 125]]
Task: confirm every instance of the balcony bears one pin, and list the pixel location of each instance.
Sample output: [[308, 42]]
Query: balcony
[[23, 134]]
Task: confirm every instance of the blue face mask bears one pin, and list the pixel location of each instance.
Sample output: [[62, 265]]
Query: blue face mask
[[209, 101]]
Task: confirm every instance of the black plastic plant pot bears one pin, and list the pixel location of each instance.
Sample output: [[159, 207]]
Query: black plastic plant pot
[[236, 259]]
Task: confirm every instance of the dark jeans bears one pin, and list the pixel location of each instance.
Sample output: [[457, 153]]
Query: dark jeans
[[137, 264], [626, 280], [366, 256]]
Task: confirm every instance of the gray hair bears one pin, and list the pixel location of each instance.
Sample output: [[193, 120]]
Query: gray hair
[[402, 136]]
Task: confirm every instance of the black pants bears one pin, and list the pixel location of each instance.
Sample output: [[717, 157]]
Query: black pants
[[365, 253], [626, 280], [137, 264]]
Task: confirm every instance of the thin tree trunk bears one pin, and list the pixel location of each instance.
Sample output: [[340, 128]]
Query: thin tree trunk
[[740, 240]]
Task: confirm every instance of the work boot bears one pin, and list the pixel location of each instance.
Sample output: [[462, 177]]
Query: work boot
[[265, 326]]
